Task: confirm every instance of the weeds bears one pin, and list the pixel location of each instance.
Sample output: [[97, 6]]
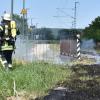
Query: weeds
[[34, 77]]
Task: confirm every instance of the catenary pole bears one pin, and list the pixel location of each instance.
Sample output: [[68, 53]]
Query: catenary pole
[[77, 34], [23, 18], [12, 8]]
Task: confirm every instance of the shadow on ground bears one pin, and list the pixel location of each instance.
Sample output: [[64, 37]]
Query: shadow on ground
[[83, 84]]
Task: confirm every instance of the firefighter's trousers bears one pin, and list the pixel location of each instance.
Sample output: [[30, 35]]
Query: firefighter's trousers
[[6, 57]]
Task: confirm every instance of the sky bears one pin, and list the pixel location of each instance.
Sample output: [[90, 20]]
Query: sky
[[55, 13]]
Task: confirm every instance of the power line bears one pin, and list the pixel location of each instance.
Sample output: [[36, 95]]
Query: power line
[[65, 14]]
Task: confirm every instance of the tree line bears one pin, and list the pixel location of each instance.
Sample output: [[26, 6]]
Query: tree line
[[93, 30]]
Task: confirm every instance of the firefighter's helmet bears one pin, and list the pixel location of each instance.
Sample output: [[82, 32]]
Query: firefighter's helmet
[[7, 17]]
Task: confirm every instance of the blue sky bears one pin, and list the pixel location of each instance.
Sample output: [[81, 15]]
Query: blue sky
[[43, 12]]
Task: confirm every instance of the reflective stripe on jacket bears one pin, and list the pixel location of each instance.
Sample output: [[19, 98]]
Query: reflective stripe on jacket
[[1, 28], [3, 48]]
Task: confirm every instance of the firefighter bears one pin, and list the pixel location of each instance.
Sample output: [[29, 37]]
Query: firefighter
[[8, 33]]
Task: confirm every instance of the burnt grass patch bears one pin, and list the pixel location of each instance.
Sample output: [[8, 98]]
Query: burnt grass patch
[[83, 84]]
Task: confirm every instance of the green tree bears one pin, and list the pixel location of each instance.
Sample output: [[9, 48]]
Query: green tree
[[44, 34], [93, 30], [19, 21]]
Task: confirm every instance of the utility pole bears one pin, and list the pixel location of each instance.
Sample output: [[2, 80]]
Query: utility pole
[[23, 18], [77, 34], [75, 14], [31, 21], [12, 8]]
